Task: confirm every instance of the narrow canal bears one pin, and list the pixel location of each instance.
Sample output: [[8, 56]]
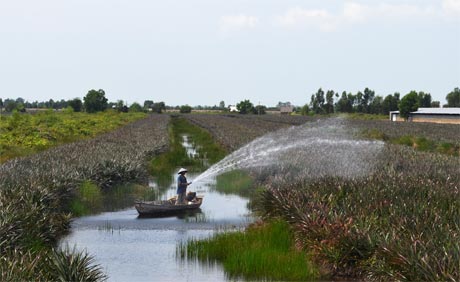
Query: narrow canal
[[130, 248]]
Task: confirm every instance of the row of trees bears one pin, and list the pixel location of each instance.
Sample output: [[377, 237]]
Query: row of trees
[[328, 102], [320, 103], [94, 101], [367, 102]]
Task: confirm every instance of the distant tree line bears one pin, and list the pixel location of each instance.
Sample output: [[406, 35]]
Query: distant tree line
[[328, 102], [94, 101], [321, 102]]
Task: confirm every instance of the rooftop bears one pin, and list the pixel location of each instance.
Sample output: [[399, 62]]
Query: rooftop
[[435, 111], [442, 111]]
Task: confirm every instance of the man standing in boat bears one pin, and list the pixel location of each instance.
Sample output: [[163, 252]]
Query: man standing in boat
[[181, 186]]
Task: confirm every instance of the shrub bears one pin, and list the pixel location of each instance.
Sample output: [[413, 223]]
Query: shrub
[[186, 109]]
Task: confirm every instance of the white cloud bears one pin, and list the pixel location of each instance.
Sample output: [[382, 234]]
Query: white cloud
[[353, 13], [316, 18], [451, 8], [238, 22]]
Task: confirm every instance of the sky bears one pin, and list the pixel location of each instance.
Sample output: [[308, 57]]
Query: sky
[[203, 52]]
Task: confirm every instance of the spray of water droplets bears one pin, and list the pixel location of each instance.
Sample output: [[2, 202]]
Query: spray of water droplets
[[326, 147]]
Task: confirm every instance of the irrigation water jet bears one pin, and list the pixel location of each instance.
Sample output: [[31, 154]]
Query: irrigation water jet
[[326, 147]]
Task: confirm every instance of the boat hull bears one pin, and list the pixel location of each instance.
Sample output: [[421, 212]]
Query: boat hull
[[161, 208]]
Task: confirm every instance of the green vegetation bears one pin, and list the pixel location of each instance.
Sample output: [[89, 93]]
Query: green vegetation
[[263, 251], [408, 104], [37, 193], [399, 222], [208, 152], [185, 109], [50, 265], [95, 101], [362, 116], [418, 143], [453, 98], [135, 107], [89, 198], [25, 134], [245, 107], [235, 182]]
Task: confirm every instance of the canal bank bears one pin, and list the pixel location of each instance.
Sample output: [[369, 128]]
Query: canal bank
[[144, 249]]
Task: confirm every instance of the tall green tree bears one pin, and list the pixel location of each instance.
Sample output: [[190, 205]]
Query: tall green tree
[[185, 109], [76, 104], [408, 104], [390, 103], [358, 103], [453, 98], [10, 105], [367, 98], [304, 110], [148, 104], [376, 106], [245, 107], [317, 102], [329, 105], [158, 107], [344, 104], [435, 104], [260, 110], [424, 99], [95, 101], [135, 107]]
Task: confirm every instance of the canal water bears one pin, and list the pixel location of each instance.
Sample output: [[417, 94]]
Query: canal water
[[130, 248]]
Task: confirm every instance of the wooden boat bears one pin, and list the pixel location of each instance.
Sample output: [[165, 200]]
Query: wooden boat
[[166, 207]]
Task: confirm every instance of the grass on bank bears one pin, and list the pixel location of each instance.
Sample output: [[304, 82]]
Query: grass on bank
[[208, 151], [263, 251], [25, 134]]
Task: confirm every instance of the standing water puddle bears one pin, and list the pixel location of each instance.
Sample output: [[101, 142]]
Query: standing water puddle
[[130, 248]]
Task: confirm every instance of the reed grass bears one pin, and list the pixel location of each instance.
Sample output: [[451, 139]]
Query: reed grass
[[263, 251]]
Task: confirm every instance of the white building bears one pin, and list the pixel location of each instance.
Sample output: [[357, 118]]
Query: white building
[[435, 115]]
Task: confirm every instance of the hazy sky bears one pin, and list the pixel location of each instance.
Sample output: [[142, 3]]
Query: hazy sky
[[202, 52]]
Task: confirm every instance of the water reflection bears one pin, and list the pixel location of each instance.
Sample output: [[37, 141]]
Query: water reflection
[[133, 248], [185, 214]]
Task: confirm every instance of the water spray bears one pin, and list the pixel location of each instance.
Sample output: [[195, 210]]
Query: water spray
[[326, 147]]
